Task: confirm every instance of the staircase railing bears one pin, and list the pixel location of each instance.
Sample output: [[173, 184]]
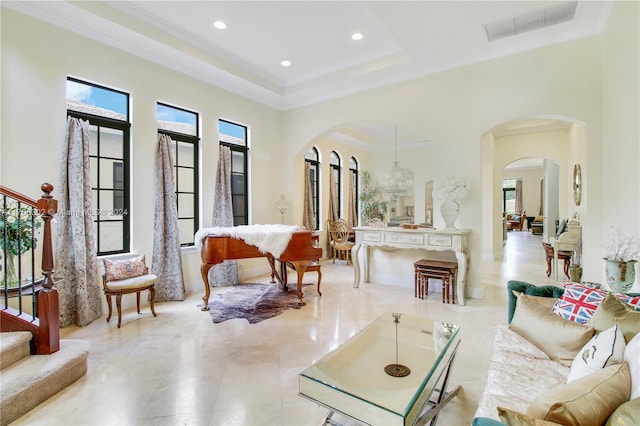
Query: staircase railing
[[21, 218]]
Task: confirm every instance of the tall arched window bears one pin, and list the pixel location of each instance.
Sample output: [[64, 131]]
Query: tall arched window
[[312, 158], [335, 182], [352, 213]]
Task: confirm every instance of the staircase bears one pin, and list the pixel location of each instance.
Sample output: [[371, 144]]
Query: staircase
[[28, 380], [34, 363]]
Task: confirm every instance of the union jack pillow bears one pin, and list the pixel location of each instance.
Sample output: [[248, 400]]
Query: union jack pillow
[[578, 302], [633, 301]]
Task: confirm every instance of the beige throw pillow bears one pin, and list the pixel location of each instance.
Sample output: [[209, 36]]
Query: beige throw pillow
[[611, 311], [586, 401], [628, 414], [547, 302], [557, 337]]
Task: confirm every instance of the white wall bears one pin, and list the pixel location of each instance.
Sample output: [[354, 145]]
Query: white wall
[[619, 155]]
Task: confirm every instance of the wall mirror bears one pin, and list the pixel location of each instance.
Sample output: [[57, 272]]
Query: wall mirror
[[401, 209], [428, 202], [577, 184]]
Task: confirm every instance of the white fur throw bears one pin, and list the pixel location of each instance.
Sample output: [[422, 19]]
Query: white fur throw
[[268, 238]]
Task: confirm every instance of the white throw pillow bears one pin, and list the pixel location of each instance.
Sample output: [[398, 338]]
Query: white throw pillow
[[604, 349], [632, 356]]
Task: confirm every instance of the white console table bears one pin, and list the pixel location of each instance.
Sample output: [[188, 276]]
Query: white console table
[[454, 240]]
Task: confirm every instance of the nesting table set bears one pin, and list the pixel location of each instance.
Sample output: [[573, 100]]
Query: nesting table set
[[437, 269]]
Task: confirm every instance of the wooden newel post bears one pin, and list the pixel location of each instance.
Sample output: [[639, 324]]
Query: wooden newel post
[[47, 207], [48, 303]]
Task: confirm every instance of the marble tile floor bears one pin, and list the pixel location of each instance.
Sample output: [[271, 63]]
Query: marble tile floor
[[181, 369]]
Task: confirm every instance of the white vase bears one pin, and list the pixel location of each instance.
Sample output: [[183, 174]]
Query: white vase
[[449, 209], [620, 275]]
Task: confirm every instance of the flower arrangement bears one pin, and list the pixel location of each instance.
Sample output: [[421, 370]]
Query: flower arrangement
[[17, 236], [16, 223], [623, 248], [451, 188]]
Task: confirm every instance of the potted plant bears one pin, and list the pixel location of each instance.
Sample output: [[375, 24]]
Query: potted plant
[[621, 255], [17, 236], [371, 204]]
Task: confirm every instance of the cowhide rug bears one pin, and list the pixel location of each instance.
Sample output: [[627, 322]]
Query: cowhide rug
[[252, 301]]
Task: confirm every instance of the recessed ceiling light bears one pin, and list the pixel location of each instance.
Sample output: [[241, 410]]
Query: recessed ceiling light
[[220, 25], [357, 36], [285, 63]]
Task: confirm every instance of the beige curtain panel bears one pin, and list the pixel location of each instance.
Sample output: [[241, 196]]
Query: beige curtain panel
[[76, 256], [518, 206], [166, 261], [352, 216], [333, 198], [308, 221], [226, 273]]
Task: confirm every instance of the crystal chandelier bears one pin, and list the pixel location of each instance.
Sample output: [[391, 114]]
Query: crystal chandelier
[[399, 180]]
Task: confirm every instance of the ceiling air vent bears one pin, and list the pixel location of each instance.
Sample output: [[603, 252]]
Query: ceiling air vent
[[541, 18]]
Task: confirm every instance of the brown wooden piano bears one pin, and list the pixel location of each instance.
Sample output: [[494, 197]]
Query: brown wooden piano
[[218, 248]]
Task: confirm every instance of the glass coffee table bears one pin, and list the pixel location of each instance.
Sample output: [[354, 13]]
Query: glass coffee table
[[351, 380]]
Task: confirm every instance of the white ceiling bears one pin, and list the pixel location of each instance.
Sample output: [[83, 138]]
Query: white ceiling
[[402, 39]]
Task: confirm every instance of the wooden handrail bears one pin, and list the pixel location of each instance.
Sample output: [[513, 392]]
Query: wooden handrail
[[46, 327], [18, 196]]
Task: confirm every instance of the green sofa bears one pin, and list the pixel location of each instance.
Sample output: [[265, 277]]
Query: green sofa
[[532, 290]]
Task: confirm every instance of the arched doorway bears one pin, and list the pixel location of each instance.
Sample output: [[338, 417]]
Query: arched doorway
[[557, 140]]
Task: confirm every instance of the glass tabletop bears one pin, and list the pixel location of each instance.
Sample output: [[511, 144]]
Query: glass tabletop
[[352, 379]]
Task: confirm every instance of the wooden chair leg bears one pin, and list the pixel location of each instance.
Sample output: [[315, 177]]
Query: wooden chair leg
[[152, 300], [454, 279], [424, 286], [566, 268], [548, 266], [319, 280], [109, 305], [138, 301], [119, 306]]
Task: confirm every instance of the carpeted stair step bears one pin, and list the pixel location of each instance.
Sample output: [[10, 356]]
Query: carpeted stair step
[[36, 378], [13, 347]]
